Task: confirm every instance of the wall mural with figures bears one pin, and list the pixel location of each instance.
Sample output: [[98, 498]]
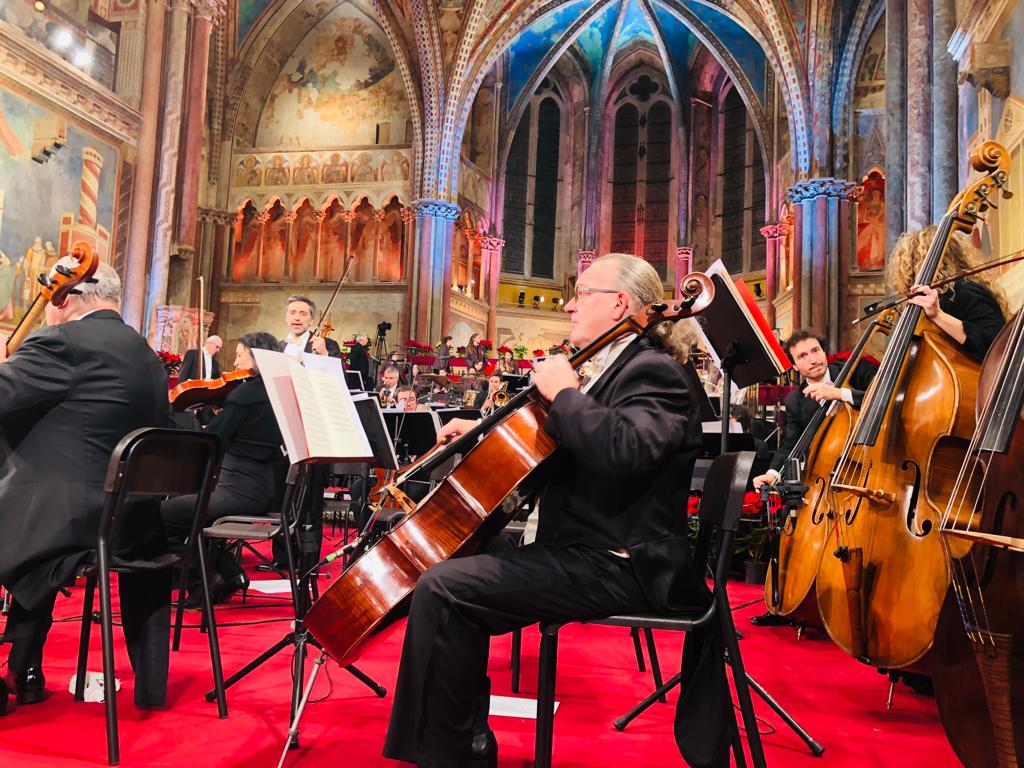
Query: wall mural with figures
[[341, 73], [58, 186]]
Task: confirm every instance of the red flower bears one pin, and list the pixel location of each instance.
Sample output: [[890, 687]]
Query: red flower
[[504, 348], [484, 343], [539, 353], [842, 357]]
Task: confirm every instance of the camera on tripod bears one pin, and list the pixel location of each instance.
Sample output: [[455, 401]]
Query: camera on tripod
[[382, 328]]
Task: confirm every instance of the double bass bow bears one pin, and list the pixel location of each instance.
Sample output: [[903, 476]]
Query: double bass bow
[[979, 647], [881, 589], [470, 505], [54, 290]]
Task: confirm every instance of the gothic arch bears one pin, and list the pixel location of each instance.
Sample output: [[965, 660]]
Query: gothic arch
[[868, 17]]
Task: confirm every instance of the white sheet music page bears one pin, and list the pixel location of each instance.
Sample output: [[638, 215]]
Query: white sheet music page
[[277, 379], [333, 429]]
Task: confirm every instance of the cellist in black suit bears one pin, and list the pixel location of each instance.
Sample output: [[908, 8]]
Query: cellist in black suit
[[67, 397]]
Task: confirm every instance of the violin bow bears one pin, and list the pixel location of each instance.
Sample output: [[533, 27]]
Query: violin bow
[[337, 290]]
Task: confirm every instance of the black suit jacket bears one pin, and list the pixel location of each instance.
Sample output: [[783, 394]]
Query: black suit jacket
[[800, 408], [620, 477], [67, 397], [358, 360], [190, 367], [333, 350]]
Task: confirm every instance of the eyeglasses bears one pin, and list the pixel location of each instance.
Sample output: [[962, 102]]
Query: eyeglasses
[[583, 291]]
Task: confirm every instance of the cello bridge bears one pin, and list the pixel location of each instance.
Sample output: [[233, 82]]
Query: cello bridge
[[871, 494]]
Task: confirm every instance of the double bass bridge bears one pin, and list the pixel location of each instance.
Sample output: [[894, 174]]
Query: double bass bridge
[[875, 495]]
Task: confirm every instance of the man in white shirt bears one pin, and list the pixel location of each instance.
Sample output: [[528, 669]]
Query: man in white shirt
[[298, 316], [208, 368]]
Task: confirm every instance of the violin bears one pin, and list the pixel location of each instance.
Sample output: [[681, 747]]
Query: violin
[[196, 392], [55, 290], [470, 506]]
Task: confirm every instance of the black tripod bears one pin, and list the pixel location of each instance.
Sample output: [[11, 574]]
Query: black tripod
[[301, 591]]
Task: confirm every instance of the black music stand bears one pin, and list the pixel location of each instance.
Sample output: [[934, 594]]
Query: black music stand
[[447, 414], [354, 380], [384, 457], [413, 432], [740, 337]]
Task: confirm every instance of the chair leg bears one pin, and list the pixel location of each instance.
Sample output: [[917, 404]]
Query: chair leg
[[179, 608], [83, 639], [638, 649], [548, 661], [652, 652], [211, 635], [109, 684], [739, 676], [517, 652]]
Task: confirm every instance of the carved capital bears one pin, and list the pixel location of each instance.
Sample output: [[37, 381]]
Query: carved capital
[[408, 215], [584, 259], [379, 214], [319, 216], [290, 217], [436, 209], [209, 9], [263, 217], [348, 216], [810, 189], [488, 243], [772, 231], [987, 65]]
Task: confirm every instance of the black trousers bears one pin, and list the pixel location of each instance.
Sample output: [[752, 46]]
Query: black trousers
[[458, 605], [145, 619]]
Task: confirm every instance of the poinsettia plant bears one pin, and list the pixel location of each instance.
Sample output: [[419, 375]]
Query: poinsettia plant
[[842, 357], [539, 353], [484, 344], [170, 361], [503, 349]]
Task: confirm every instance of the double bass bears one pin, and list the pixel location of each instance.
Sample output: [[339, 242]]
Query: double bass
[[979, 641], [788, 589], [882, 587], [471, 505]]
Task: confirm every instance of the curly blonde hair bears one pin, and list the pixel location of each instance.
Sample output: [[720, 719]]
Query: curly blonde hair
[[910, 251]]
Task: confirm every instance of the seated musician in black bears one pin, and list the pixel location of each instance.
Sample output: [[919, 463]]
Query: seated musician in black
[[612, 532], [248, 481], [971, 312]]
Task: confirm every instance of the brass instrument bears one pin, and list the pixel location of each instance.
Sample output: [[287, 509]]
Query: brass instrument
[[502, 396], [469, 398]]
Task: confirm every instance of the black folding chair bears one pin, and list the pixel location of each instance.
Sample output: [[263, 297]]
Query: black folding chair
[[721, 503], [148, 464]]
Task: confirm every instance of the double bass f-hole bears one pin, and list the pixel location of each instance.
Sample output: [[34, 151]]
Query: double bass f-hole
[[818, 513], [915, 494]]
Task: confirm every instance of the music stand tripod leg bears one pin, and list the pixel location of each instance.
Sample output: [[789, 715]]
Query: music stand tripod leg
[[292, 739]]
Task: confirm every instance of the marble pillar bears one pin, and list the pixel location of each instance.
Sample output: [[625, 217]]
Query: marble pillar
[[435, 229], [289, 242], [919, 115], [822, 213], [223, 232], [944, 108], [137, 258], [206, 13], [167, 173], [772, 234], [895, 122], [490, 254], [408, 267]]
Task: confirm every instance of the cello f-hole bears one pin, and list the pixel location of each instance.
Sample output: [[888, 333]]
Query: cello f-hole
[[926, 525]]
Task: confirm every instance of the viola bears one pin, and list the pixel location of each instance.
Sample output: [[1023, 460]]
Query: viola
[[470, 506], [882, 587], [54, 290], [979, 647], [197, 392]]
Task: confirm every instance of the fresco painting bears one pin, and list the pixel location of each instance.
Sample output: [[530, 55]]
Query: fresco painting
[[58, 186], [534, 43], [871, 224], [338, 87], [248, 12], [596, 39]]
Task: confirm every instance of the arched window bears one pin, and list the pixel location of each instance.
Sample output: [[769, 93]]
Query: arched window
[[532, 181], [741, 181]]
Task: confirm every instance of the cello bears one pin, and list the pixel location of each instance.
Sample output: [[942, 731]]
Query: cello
[[472, 504], [788, 589], [979, 648], [54, 290], [881, 590]]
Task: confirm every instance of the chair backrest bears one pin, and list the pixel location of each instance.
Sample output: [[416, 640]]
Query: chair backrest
[[156, 462], [721, 503]]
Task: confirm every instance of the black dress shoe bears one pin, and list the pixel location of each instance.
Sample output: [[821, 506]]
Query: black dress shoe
[[770, 620], [30, 686], [4, 695], [484, 750]]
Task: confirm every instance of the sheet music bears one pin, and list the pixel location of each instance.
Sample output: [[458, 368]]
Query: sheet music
[[331, 424], [278, 381]]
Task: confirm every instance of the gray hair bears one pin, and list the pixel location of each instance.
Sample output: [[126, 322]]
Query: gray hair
[[362, 338], [105, 286], [643, 285]]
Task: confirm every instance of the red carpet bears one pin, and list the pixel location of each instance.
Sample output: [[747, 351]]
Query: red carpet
[[840, 702]]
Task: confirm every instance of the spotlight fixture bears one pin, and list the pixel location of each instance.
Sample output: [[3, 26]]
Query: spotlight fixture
[[461, 287], [522, 298], [537, 301], [557, 303], [82, 58], [39, 5], [758, 293]]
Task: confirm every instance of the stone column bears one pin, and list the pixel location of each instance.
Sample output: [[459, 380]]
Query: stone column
[[289, 245], [408, 267], [348, 217], [318, 267], [261, 218], [819, 221], [222, 221], [170, 120], [435, 228], [895, 122], [132, 54], [944, 108], [919, 115], [772, 234], [137, 258], [584, 258], [206, 12], [490, 253]]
